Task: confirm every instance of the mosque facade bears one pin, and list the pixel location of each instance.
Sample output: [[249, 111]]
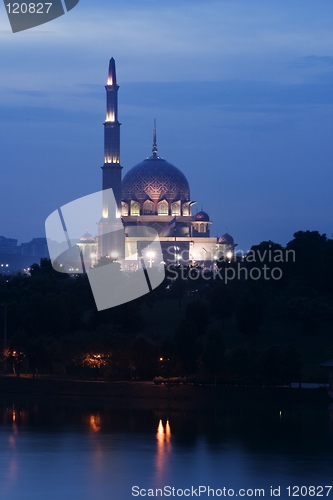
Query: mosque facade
[[155, 194]]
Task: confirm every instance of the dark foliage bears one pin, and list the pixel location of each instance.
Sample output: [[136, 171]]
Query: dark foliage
[[54, 327]]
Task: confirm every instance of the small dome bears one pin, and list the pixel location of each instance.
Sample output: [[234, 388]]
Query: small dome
[[87, 238], [226, 239], [202, 216]]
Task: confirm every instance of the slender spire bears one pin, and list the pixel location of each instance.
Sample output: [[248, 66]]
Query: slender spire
[[111, 124], [112, 78], [154, 150], [112, 167]]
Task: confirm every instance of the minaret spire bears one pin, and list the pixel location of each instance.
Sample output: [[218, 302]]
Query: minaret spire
[[154, 150], [111, 167], [112, 139], [110, 231], [112, 79]]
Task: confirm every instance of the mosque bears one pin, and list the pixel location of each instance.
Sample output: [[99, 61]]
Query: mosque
[[153, 193]]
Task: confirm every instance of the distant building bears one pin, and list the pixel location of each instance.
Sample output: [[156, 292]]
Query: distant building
[[88, 248], [14, 257], [37, 246], [8, 246]]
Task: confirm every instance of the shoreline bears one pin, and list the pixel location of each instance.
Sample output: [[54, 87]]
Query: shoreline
[[147, 395]]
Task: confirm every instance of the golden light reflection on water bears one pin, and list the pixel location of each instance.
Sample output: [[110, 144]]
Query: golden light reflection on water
[[95, 423], [11, 465], [163, 436], [98, 454]]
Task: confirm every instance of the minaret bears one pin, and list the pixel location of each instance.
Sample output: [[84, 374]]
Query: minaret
[[112, 168], [111, 232]]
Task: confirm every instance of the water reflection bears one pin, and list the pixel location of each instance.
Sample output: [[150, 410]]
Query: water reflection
[[261, 429], [11, 465], [98, 449], [163, 436], [97, 452], [95, 423]]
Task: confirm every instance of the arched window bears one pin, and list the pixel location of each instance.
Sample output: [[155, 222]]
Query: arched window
[[175, 208], [148, 207], [135, 208], [124, 209], [186, 209], [200, 227], [163, 208]]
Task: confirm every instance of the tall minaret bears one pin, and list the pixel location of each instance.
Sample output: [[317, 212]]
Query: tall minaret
[[111, 232], [112, 168]]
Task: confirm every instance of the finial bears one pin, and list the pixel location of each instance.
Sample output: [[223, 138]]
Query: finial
[[112, 79], [154, 150]]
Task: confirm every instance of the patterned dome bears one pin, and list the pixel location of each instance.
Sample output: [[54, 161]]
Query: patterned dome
[[202, 216], [226, 239], [155, 178]]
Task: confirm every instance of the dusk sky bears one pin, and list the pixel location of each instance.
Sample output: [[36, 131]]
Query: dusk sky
[[241, 91]]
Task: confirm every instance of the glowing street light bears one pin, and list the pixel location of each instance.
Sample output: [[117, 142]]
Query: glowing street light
[[4, 268], [229, 255], [151, 256]]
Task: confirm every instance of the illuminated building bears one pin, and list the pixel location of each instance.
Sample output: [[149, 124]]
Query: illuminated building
[[153, 193]]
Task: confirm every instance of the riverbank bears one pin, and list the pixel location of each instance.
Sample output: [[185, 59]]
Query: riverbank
[[147, 395]]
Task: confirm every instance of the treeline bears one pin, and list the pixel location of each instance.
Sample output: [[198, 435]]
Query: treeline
[[250, 327], [223, 334], [53, 325]]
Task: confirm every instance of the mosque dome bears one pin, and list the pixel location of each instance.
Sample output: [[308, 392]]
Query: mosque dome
[[226, 239], [201, 216], [155, 179], [87, 238]]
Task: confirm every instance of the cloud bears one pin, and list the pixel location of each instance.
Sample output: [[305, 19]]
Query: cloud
[[240, 89], [169, 41]]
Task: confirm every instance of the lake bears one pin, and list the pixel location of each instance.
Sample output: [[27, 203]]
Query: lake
[[89, 452]]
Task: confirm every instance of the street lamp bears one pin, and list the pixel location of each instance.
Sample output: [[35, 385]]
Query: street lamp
[[4, 267], [151, 256]]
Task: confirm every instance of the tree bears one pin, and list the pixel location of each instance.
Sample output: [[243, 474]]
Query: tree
[[198, 312], [280, 366], [314, 314], [249, 314], [222, 301], [313, 254], [213, 352], [291, 366], [145, 357], [270, 366], [240, 364], [186, 346]]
